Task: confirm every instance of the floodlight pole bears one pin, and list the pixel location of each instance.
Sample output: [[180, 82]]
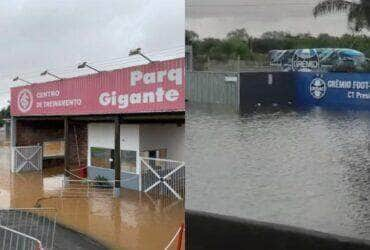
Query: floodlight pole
[[48, 73], [20, 79], [138, 52], [147, 58], [92, 68], [84, 64]]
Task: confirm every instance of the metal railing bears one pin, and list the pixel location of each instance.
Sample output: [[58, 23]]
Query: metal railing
[[85, 188], [27, 226], [75, 173], [26, 158], [11, 239], [163, 177], [178, 236]]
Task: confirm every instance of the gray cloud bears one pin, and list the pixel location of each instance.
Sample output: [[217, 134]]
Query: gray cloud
[[217, 17], [37, 34]]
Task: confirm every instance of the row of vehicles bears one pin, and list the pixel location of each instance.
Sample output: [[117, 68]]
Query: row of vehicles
[[318, 59]]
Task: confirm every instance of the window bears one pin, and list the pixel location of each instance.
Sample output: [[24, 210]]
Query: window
[[155, 153], [100, 157], [128, 161], [158, 154]]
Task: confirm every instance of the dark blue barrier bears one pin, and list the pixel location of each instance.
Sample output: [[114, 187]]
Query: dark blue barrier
[[266, 89], [336, 90], [211, 231], [302, 89]]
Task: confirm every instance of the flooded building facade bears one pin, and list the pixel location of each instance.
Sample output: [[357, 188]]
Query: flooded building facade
[[101, 125]]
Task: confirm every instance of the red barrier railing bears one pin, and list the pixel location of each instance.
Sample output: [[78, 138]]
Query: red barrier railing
[[177, 235]]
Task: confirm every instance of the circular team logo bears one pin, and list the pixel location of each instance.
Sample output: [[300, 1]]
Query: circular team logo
[[318, 88], [25, 100]]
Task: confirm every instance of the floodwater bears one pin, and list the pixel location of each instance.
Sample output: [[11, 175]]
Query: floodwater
[[307, 168], [135, 221]]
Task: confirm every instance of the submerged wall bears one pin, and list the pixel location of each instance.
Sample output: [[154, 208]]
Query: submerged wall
[[211, 231], [35, 132], [101, 135], [333, 89], [128, 180], [304, 89], [266, 89]]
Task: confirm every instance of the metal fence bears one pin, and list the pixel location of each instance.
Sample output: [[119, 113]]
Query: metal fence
[[84, 188], [26, 158], [163, 177], [26, 227], [12, 239], [213, 88]]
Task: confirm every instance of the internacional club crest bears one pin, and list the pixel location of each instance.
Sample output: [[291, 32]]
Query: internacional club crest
[[318, 88], [25, 100]]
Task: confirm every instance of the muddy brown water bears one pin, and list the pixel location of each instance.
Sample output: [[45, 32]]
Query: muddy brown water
[[134, 221]]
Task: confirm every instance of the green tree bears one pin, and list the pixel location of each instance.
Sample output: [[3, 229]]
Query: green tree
[[190, 36], [358, 12], [238, 34], [5, 112], [275, 35]]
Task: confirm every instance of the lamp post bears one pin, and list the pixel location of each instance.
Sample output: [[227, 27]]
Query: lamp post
[[50, 74], [137, 51], [85, 65]]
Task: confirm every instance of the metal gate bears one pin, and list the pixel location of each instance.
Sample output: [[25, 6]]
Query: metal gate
[[27, 226], [26, 158], [163, 177]]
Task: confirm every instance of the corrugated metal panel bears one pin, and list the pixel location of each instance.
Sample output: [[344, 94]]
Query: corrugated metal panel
[[82, 95], [212, 88]]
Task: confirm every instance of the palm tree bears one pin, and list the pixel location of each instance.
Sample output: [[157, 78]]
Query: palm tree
[[358, 11]]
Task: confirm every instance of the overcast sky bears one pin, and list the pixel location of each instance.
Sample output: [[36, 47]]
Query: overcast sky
[[56, 35], [217, 17]]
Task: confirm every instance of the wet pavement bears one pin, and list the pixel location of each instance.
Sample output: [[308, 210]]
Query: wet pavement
[[134, 221]]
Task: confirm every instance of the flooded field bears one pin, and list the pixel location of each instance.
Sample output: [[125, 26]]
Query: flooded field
[[135, 221], [308, 168]]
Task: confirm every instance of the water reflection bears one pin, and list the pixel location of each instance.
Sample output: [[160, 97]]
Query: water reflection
[[134, 221], [306, 168]]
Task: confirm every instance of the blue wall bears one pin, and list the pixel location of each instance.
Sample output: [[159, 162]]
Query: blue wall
[[266, 89], [337, 90], [128, 180]]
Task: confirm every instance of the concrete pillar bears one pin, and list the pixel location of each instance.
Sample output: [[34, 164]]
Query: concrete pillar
[[13, 131], [117, 157], [13, 140], [66, 147]]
